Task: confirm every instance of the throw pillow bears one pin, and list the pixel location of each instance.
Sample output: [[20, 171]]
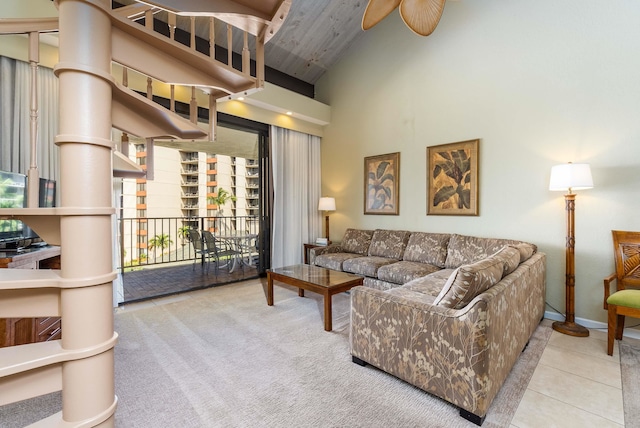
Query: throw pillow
[[468, 281], [510, 256], [526, 250]]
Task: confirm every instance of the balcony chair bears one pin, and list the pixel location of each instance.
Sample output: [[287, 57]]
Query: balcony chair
[[249, 249], [220, 249], [625, 301], [198, 247]]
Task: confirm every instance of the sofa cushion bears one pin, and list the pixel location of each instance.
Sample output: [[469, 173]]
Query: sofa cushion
[[334, 260], [356, 241], [426, 285], [389, 243], [377, 284], [430, 248], [366, 266], [413, 296], [468, 281], [464, 249], [510, 256], [404, 271]]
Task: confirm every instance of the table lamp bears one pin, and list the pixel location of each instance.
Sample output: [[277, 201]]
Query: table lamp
[[326, 205], [568, 177]]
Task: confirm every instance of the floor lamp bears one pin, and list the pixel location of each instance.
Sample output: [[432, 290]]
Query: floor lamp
[[569, 177], [326, 205]]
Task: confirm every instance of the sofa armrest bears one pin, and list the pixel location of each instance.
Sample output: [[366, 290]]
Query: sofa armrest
[[316, 251], [460, 355]]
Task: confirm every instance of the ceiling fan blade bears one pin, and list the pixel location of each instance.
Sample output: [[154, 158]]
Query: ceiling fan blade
[[376, 11], [421, 16]]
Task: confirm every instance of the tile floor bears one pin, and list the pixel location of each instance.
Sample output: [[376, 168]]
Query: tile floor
[[576, 384]]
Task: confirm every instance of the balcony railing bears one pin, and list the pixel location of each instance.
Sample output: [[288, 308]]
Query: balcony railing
[[166, 239]]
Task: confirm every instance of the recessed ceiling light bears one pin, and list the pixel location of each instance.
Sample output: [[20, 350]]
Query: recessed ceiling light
[[240, 98], [289, 113]]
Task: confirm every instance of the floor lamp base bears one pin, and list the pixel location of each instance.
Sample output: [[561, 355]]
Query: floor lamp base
[[570, 328]]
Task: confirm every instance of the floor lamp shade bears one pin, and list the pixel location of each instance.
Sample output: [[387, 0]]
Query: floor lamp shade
[[327, 204], [569, 177]]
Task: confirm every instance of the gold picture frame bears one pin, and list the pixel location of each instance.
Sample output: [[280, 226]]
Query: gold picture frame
[[382, 184], [452, 171]]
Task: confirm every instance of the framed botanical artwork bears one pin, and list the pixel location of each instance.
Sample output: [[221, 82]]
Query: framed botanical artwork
[[452, 184], [382, 184]]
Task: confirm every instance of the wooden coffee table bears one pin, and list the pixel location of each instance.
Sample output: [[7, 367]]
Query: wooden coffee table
[[313, 278]]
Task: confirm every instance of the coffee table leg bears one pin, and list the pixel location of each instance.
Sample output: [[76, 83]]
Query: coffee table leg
[[300, 292], [327, 312], [269, 289]]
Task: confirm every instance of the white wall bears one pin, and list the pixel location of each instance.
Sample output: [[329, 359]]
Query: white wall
[[539, 83]]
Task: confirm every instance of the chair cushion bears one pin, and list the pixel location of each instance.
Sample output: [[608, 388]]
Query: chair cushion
[[628, 298], [468, 281]]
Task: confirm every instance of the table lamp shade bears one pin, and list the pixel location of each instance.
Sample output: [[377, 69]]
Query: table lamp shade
[[571, 176], [327, 204]]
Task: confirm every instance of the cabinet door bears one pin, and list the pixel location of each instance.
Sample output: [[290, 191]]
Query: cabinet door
[[48, 329], [23, 330]]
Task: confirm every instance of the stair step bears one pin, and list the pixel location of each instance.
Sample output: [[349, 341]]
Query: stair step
[[56, 421], [43, 222], [34, 369], [166, 60], [138, 115]]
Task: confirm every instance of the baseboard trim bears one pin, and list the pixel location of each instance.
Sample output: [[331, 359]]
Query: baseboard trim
[[629, 332]]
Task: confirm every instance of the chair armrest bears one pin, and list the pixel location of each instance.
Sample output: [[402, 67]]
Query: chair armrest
[[607, 288]]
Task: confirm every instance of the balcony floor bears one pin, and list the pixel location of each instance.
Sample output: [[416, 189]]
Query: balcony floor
[[164, 280]]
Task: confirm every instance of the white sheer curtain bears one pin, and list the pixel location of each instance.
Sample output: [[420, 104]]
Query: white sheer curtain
[[15, 110], [295, 157]]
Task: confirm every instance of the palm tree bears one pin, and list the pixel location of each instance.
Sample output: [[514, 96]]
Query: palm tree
[[160, 241], [221, 199], [183, 234]]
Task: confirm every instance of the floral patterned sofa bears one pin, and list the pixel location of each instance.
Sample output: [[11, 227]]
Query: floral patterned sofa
[[447, 313]]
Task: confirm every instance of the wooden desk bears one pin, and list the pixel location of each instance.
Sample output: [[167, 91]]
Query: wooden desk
[[31, 258], [20, 331]]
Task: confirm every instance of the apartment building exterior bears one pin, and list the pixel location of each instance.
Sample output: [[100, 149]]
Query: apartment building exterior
[[179, 195]]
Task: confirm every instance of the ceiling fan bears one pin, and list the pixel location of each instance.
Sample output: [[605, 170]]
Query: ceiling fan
[[421, 16]]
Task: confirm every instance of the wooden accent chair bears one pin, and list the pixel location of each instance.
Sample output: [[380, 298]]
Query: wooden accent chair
[[626, 299]]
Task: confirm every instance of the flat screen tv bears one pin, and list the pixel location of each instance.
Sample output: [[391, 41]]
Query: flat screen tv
[[13, 192]]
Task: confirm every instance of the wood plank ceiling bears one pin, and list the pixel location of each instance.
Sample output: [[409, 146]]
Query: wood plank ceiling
[[314, 36]]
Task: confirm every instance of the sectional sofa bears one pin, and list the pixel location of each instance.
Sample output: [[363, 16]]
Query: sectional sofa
[[447, 313]]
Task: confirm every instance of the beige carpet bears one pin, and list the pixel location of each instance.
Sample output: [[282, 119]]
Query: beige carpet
[[223, 358], [630, 371]]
